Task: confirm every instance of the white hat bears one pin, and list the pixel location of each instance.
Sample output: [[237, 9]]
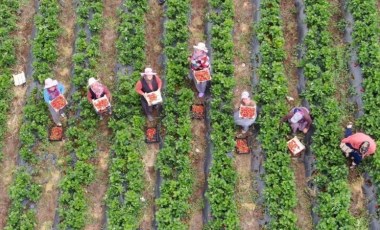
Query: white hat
[[201, 46], [91, 81], [244, 95], [296, 117], [148, 71], [50, 83]]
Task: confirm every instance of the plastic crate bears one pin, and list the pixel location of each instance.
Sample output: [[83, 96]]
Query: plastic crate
[[151, 137], [197, 111], [242, 145], [56, 133], [202, 75], [295, 146]]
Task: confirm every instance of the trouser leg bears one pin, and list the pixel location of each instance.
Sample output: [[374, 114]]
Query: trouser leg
[[201, 87], [348, 132], [147, 109]]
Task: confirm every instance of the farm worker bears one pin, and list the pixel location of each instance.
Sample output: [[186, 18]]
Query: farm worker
[[52, 90], [199, 61], [149, 82], [357, 146], [245, 122], [299, 119], [97, 90]]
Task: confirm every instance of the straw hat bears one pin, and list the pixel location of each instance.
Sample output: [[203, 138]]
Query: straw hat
[[91, 81], [244, 95], [148, 71], [50, 83], [201, 46]]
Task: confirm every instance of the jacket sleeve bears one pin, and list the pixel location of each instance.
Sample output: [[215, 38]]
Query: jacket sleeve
[[138, 88], [46, 96], [107, 92], [159, 82], [89, 96], [61, 88], [287, 116], [308, 120]]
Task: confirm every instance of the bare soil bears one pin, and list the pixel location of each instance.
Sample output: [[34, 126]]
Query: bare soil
[[249, 211], [198, 151], [96, 191], [154, 49], [11, 144], [288, 14], [50, 171], [358, 200]]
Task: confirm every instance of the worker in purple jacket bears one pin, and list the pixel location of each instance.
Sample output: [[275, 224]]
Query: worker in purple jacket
[[299, 119]]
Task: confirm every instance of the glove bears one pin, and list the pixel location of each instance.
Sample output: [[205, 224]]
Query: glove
[[345, 149]]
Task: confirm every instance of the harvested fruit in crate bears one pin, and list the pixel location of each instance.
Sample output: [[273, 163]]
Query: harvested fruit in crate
[[198, 109], [152, 97], [242, 146], [202, 75], [56, 133], [151, 134], [295, 146], [59, 102], [101, 103], [247, 111]]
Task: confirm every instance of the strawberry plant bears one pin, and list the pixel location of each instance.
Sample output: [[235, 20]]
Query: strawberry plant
[[222, 177], [319, 65], [279, 189], [126, 173], [8, 12]]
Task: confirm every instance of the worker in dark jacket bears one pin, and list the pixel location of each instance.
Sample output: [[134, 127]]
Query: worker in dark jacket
[[299, 119], [97, 90], [52, 90], [149, 82]]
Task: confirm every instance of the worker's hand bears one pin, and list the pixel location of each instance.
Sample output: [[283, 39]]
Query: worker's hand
[[305, 130]]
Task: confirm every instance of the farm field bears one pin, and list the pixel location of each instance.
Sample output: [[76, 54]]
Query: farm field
[[188, 174]]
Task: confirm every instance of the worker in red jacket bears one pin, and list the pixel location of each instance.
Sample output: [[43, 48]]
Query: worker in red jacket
[[149, 82], [199, 60], [97, 90], [357, 146]]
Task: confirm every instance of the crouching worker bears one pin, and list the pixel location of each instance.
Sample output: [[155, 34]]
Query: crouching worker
[[97, 90], [299, 119], [357, 146], [199, 61], [52, 90], [148, 83], [242, 119]]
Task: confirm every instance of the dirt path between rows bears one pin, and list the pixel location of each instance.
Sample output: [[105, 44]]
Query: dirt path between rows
[[11, 145], [198, 126], [153, 51], [49, 167], [249, 212], [288, 14], [96, 191]]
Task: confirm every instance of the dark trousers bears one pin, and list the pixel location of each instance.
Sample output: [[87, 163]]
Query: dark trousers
[[354, 154], [148, 110]]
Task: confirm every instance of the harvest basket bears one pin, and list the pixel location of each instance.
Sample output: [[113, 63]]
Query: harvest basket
[[59, 102], [242, 145], [197, 111], [101, 104], [154, 98], [56, 133], [152, 135], [248, 112], [202, 75], [295, 146]]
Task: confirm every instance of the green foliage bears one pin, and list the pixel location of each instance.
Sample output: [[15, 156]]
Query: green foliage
[[319, 68], [279, 193]]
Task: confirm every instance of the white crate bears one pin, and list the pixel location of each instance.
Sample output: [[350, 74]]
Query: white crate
[[19, 79]]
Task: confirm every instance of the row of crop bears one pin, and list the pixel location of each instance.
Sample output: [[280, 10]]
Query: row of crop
[[366, 34], [33, 131], [173, 160], [82, 125], [280, 192], [222, 177], [333, 200], [8, 12], [126, 173]]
